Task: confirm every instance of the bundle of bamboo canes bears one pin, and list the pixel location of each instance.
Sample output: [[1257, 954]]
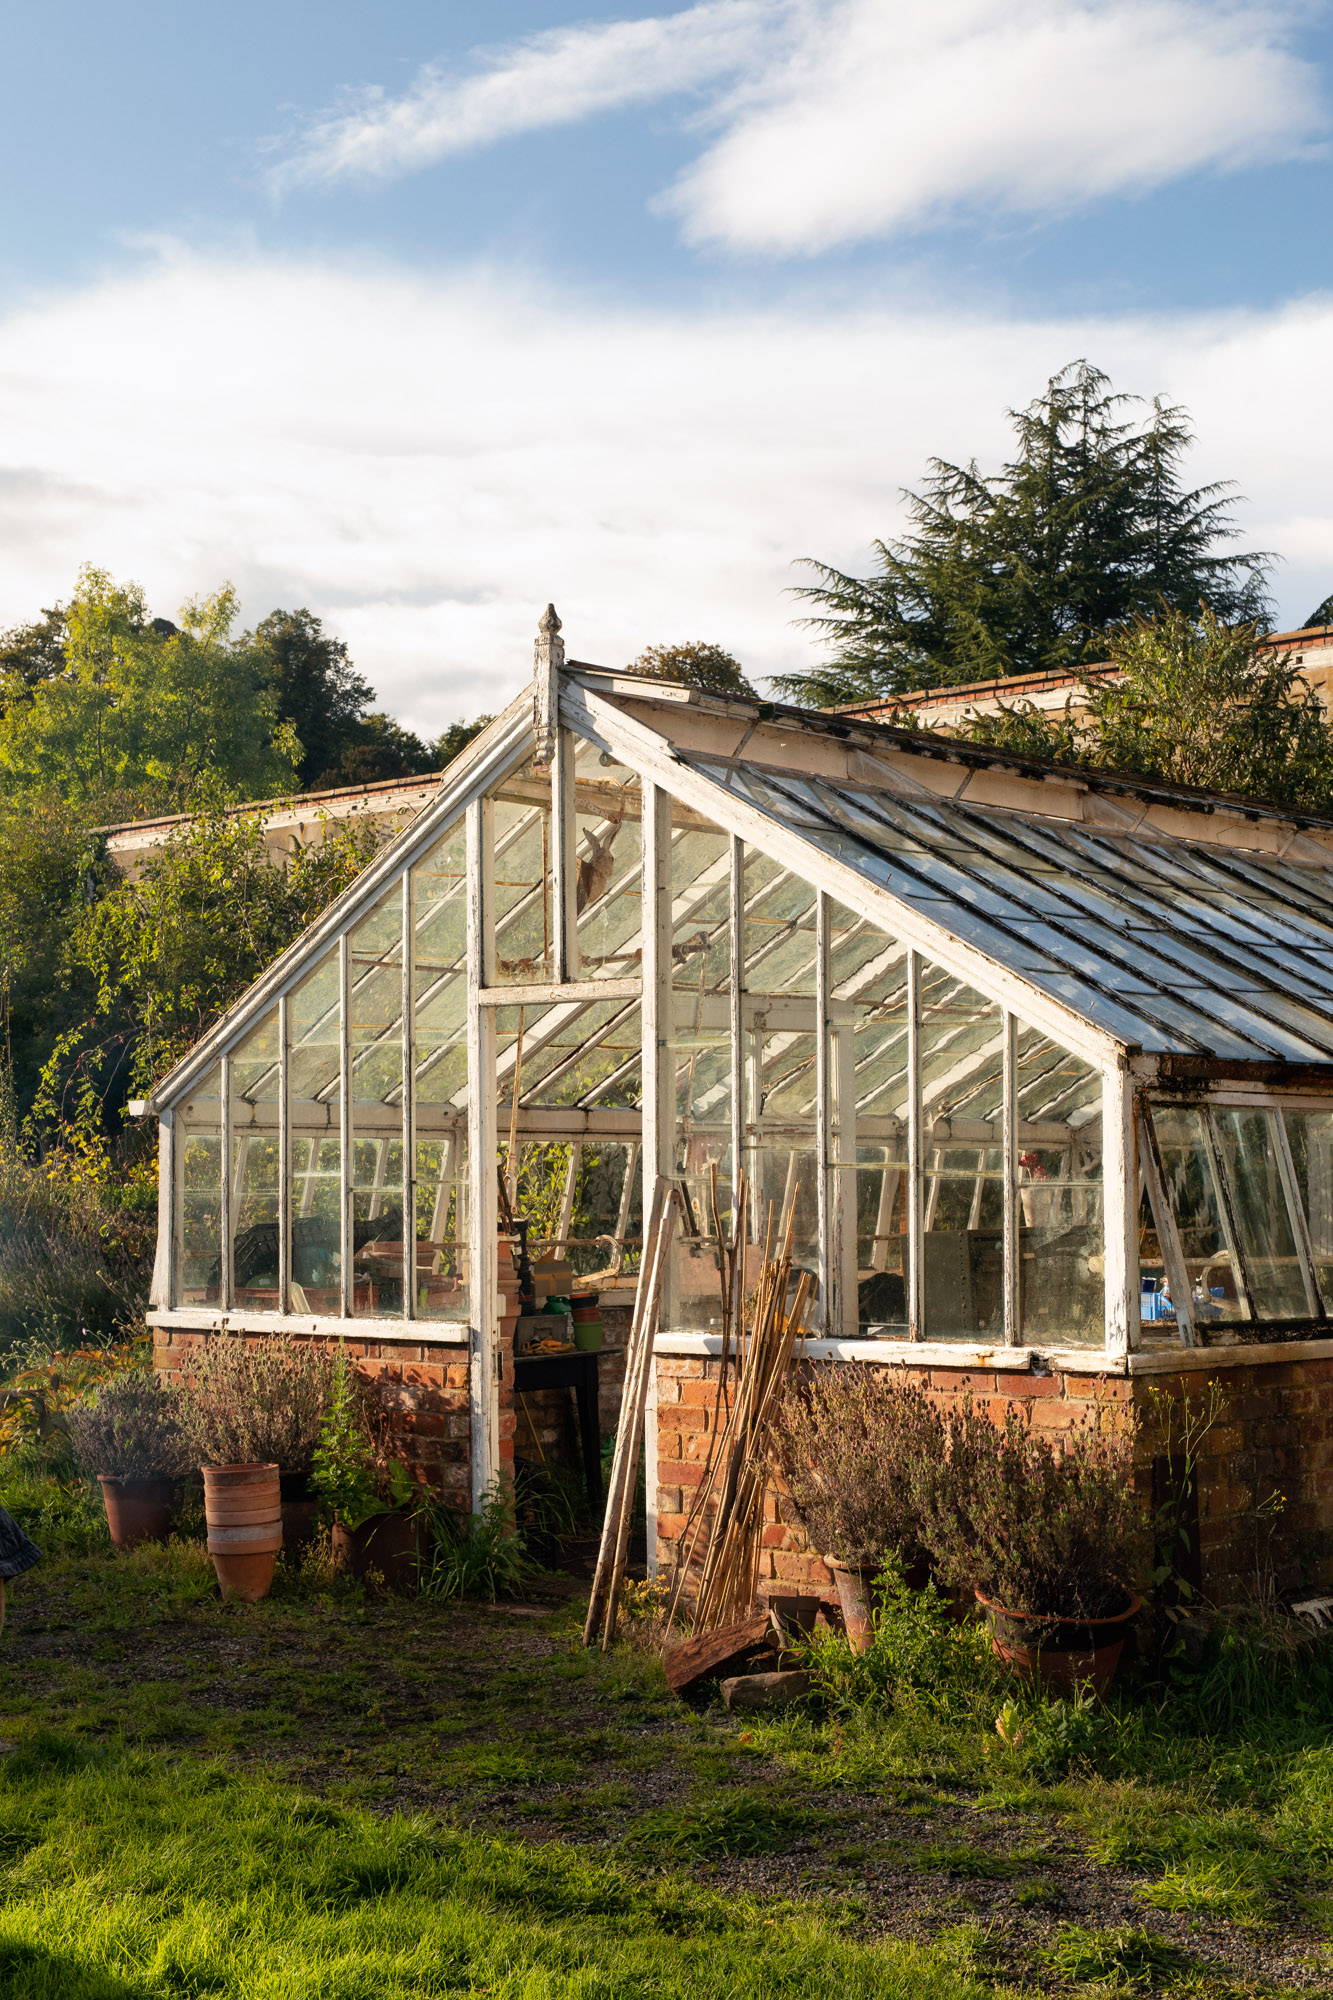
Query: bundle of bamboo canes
[[723, 1536]]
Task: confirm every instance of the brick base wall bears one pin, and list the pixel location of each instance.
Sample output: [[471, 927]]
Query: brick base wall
[[421, 1386], [1273, 1436]]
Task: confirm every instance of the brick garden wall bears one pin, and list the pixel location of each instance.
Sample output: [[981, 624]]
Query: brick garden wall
[[1274, 1435]]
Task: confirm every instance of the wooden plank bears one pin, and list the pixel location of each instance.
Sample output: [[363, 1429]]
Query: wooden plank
[[639, 1366], [409, 1022], [916, 1260], [482, 1156], [162, 1291], [1168, 1236], [1120, 1189], [226, 1259], [545, 993], [563, 841], [714, 1655], [1011, 1219], [346, 1172], [284, 1157]]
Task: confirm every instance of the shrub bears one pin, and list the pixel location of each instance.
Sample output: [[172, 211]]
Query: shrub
[[131, 1428], [1039, 1527], [852, 1445], [351, 1469], [257, 1402], [75, 1248]]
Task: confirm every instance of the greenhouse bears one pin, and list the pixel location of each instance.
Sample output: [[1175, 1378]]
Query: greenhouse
[[1041, 1061]]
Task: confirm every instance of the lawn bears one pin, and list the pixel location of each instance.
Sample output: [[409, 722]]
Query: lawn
[[339, 1796]]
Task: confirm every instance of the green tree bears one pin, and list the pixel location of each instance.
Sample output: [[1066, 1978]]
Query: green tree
[[457, 737], [1087, 527], [1322, 613], [1196, 702], [162, 956], [46, 862], [695, 664], [378, 749], [34, 652], [315, 688], [143, 709]]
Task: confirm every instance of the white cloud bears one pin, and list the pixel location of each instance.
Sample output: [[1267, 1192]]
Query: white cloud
[[841, 120], [891, 118], [426, 462], [554, 78]]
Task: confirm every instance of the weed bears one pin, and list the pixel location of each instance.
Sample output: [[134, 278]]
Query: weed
[[475, 1555], [971, 1864], [749, 1822], [920, 1658], [1125, 1957]]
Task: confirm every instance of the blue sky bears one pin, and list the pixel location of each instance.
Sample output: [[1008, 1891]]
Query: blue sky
[[422, 314]]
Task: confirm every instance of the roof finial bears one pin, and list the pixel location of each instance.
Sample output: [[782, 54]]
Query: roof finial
[[548, 659]]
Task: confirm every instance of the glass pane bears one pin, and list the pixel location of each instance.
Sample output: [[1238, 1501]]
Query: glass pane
[[439, 983], [962, 1093], [868, 979], [375, 1056], [1247, 1150], [199, 1196], [521, 833], [1310, 1135], [607, 847], [700, 1060], [314, 1017], [700, 902], [256, 1170], [1185, 1147], [1062, 1296], [778, 928]]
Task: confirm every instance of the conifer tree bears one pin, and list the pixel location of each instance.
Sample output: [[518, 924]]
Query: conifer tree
[[1086, 528]]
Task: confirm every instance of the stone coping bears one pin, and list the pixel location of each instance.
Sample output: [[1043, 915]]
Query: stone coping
[[428, 1332], [1016, 1360]]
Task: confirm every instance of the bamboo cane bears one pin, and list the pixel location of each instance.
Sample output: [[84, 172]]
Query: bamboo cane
[[600, 1620]]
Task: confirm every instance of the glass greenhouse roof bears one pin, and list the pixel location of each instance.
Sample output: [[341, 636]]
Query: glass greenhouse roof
[[1171, 946]]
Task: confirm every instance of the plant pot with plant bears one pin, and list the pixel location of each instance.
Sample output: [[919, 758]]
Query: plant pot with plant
[[849, 1444], [252, 1409], [368, 1495], [1050, 1538], [128, 1436]]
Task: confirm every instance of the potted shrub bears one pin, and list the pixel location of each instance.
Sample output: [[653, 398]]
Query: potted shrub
[[366, 1493], [252, 1409], [128, 1437], [1047, 1534], [849, 1444]]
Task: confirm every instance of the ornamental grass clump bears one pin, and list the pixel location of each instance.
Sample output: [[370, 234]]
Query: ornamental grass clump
[[256, 1402], [1042, 1527], [853, 1445], [131, 1429]]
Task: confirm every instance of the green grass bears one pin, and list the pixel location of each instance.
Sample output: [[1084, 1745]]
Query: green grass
[[460, 1760], [127, 1876]]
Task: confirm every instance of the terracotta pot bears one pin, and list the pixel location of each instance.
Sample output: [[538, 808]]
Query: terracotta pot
[[854, 1582], [243, 1511], [1061, 1654], [300, 1511], [138, 1510], [387, 1546]]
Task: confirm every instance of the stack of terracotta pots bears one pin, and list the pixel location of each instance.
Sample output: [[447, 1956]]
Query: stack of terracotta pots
[[243, 1512], [587, 1318]]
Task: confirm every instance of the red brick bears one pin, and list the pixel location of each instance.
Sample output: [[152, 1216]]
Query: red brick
[[1027, 1385], [679, 1472]]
